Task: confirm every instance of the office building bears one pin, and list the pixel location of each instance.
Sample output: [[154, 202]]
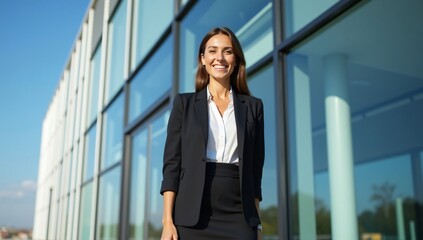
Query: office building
[[342, 85]]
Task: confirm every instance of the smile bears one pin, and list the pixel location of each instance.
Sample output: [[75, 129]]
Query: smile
[[220, 67]]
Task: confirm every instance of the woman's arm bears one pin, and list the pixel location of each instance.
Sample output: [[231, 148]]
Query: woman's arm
[[259, 151], [171, 169], [169, 230]]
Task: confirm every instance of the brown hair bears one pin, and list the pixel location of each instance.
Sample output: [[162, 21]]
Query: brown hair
[[238, 77]]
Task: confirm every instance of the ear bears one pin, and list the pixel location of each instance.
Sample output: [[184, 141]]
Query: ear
[[203, 59]]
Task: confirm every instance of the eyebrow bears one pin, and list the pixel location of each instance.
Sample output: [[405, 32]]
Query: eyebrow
[[217, 47]]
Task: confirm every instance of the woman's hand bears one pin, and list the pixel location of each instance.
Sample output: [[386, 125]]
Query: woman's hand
[[259, 235], [169, 231]]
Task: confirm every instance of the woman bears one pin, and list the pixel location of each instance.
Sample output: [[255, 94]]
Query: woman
[[214, 153]]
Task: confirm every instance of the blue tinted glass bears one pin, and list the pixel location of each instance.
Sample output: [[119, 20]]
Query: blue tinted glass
[[155, 210], [89, 155], [146, 34], [299, 13], [152, 82], [250, 20], [353, 122], [85, 228], [138, 185], [93, 85], [108, 205], [112, 134], [261, 84], [116, 51]]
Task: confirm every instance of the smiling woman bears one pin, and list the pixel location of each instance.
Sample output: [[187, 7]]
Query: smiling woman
[[214, 148]]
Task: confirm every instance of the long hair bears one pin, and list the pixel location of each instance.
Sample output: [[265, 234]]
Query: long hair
[[238, 77]]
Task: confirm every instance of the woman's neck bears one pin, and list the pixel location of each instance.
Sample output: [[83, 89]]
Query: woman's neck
[[219, 90]]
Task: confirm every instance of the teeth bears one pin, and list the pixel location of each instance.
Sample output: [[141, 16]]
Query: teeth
[[220, 67]]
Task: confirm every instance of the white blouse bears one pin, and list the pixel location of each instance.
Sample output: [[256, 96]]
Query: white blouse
[[222, 144]]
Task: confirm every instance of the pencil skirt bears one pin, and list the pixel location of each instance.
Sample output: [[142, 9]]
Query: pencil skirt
[[221, 214]]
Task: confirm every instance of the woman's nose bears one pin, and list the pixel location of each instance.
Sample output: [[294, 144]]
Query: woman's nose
[[219, 56]]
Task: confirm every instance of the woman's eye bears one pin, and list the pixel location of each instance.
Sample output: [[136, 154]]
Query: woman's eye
[[228, 52], [212, 51]]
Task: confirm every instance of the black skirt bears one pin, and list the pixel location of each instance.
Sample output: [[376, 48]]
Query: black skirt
[[221, 210]]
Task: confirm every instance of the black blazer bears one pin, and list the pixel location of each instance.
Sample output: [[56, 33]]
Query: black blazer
[[185, 154]]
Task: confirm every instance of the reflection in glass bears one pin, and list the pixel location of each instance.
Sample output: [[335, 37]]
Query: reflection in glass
[[299, 13], [84, 229], [94, 80], [145, 34], [250, 20], [112, 134], [116, 51], [381, 196], [155, 211], [108, 205], [138, 185], [262, 85], [89, 154], [383, 106], [152, 81]]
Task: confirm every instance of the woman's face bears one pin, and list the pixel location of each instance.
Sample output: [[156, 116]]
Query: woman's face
[[219, 58]]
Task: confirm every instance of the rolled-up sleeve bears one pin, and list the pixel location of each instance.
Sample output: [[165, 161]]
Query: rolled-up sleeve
[[172, 151]]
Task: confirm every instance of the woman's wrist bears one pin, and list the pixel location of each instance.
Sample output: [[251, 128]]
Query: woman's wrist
[[167, 221]]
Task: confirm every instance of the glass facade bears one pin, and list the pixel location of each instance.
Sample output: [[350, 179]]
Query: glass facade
[[353, 126], [116, 51], [94, 82], [138, 185], [152, 82], [85, 218], [108, 204], [342, 88], [90, 139], [112, 144], [300, 13], [145, 34]]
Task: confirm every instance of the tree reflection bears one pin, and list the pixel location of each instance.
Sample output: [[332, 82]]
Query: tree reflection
[[382, 218]]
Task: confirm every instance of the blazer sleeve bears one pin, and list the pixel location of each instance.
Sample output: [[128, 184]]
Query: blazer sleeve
[[172, 151], [259, 151]]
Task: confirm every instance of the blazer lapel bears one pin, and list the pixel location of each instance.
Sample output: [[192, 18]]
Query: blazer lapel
[[240, 118], [201, 109]]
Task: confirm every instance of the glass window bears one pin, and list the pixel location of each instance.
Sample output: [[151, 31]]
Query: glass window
[[155, 205], [299, 13], [108, 205], [262, 85], [383, 196], [354, 118], [138, 185], [152, 82], [145, 34], [94, 80], [84, 229], [250, 20], [112, 134], [116, 51], [89, 154]]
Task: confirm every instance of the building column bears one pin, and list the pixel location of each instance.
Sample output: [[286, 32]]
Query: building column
[[400, 219], [304, 151], [340, 154]]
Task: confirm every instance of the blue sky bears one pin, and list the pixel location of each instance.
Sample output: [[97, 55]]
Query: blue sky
[[36, 38]]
